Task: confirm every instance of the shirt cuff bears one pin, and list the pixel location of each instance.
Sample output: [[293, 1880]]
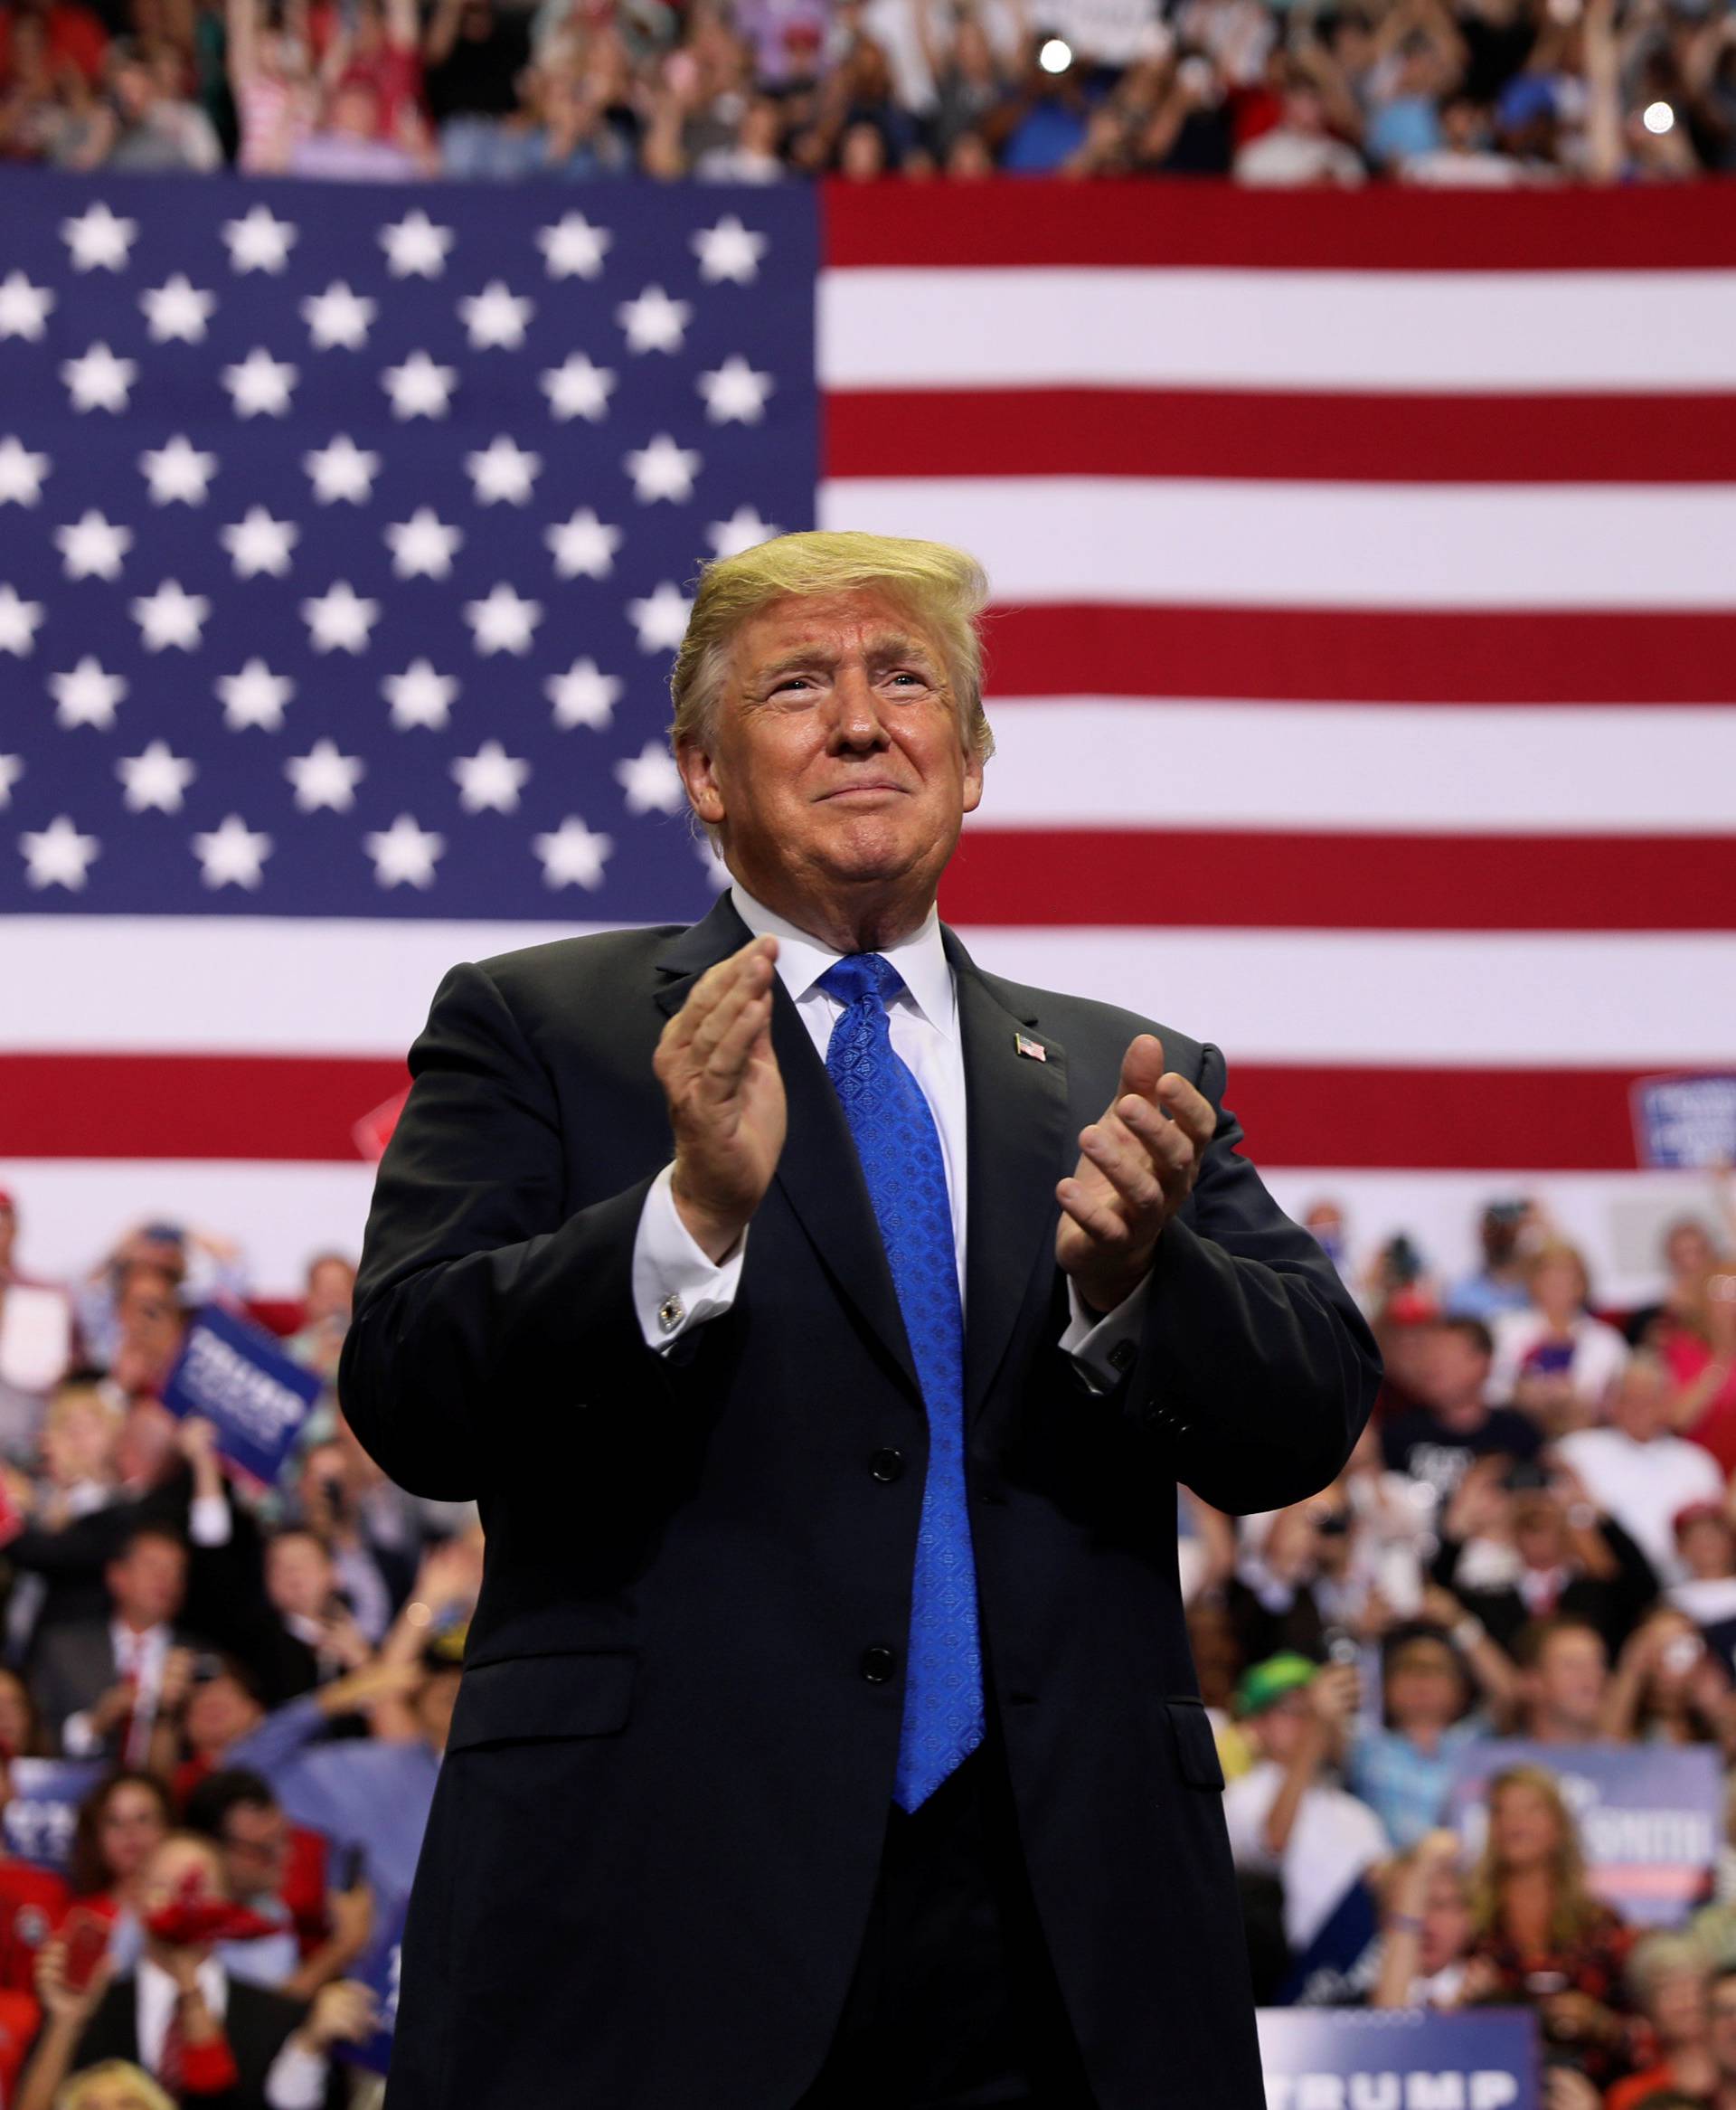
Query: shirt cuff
[[296, 2080], [208, 1521], [676, 1284], [77, 1738], [1103, 1349]]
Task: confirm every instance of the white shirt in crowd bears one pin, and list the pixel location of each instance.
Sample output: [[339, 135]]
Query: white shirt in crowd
[[1332, 1839], [1644, 1486], [676, 1283], [1599, 1354], [297, 2079]]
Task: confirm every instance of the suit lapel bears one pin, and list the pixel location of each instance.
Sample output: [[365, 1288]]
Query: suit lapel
[[1015, 1150], [818, 1173]]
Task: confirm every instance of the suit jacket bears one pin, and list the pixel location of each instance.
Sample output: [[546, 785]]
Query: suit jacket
[[225, 1583], [256, 2022], [75, 1665], [656, 1829]]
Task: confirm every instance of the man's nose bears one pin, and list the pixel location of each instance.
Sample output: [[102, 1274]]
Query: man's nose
[[856, 722]]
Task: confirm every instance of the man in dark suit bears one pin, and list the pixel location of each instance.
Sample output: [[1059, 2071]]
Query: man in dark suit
[[99, 1682], [823, 1325]]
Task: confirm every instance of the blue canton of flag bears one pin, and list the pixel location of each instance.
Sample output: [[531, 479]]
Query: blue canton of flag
[[346, 533]]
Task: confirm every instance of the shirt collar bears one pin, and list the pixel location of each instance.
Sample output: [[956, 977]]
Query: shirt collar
[[802, 959], [158, 1987]]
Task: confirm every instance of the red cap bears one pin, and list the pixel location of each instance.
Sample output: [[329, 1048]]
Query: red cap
[[1412, 1307]]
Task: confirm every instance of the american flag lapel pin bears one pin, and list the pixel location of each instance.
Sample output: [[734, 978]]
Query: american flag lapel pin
[[1034, 1048]]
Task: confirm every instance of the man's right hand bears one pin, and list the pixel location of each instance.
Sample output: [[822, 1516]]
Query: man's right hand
[[725, 1095]]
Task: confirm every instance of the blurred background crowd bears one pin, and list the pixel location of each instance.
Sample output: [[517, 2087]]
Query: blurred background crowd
[[1535, 1541], [1488, 93]]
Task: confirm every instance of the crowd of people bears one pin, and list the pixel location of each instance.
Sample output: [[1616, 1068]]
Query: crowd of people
[[244, 1692], [1483, 92], [222, 1707]]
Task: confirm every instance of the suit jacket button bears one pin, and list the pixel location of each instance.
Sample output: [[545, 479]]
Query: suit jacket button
[[886, 1464], [878, 1664]]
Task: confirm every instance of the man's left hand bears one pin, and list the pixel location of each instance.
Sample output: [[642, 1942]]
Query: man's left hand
[[1138, 1166]]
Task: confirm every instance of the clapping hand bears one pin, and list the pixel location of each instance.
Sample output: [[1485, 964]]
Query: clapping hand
[[726, 1096], [1137, 1165]]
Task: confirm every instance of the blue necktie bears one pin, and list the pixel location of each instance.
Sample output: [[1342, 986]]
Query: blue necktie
[[900, 1149]]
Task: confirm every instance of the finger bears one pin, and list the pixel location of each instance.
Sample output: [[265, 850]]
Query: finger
[[714, 986], [1141, 1066], [1094, 1213], [721, 1075], [1170, 1147], [1189, 1105], [720, 1021], [1124, 1165]]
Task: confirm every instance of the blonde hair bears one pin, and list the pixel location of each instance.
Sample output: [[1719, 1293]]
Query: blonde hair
[[1547, 1252], [1572, 1906], [943, 589], [76, 1396], [1661, 1956], [74, 2094]]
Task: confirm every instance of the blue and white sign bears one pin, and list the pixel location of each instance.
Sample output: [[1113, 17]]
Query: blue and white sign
[[237, 1376], [44, 1813], [1650, 1816], [380, 1967], [1410, 2058], [1686, 1123]]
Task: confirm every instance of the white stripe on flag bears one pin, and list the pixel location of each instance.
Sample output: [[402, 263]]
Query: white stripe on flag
[[1105, 762], [236, 985], [1425, 997], [1548, 331], [1251, 544]]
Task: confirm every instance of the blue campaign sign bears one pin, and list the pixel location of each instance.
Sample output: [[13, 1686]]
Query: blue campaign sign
[[1650, 1816], [379, 1968], [1410, 2058], [1344, 1959], [1687, 1123], [237, 1376], [43, 1811]]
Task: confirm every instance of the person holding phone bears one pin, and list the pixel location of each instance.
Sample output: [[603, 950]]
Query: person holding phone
[[205, 2035]]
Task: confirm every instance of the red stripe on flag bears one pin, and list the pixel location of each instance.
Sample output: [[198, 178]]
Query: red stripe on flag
[[278, 1107], [1224, 878], [1220, 224], [1376, 656], [1420, 1119], [285, 1107], [1278, 436]]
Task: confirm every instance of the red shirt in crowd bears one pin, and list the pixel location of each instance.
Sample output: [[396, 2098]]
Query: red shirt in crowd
[[75, 38]]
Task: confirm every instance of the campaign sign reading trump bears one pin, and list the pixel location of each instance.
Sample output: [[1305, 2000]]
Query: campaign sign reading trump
[[1409, 2059], [1650, 1817], [235, 1375]]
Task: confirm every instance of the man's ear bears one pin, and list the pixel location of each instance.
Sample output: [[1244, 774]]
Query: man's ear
[[703, 794], [972, 779]]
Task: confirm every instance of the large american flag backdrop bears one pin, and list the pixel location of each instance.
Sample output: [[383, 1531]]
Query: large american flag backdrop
[[1362, 662]]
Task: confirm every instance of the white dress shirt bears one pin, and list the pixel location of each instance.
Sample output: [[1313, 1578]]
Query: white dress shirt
[[296, 2080], [677, 1286], [139, 1656]]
